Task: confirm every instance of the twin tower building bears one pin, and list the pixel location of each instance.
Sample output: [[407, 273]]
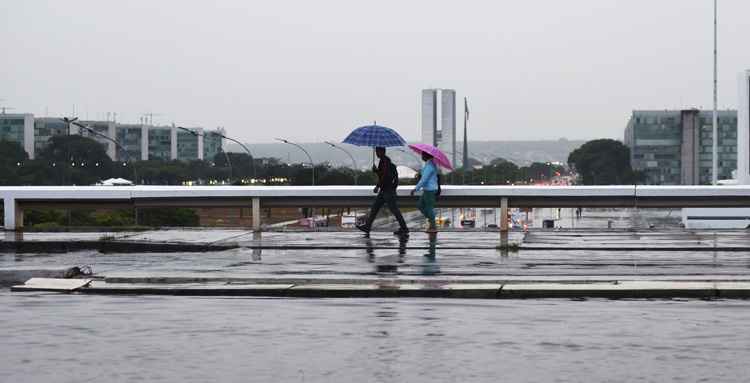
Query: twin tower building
[[439, 120]]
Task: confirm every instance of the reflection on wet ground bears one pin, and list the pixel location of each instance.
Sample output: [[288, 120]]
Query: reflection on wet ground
[[455, 255], [52, 337], [66, 338]]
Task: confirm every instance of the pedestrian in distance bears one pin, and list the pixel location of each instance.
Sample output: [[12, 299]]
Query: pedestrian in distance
[[428, 184], [386, 193]]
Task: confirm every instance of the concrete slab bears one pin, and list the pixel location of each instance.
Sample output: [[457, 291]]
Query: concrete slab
[[332, 290], [398, 289], [617, 290], [16, 276], [52, 284], [474, 291], [198, 289], [185, 235], [733, 290]]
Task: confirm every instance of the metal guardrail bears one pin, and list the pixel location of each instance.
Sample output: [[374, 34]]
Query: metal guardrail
[[627, 196]]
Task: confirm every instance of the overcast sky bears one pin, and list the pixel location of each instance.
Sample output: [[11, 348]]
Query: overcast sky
[[313, 70]]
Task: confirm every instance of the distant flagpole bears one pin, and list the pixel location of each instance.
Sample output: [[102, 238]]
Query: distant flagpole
[[715, 163], [466, 142]]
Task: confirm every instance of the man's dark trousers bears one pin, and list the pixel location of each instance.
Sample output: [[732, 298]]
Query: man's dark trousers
[[387, 197]]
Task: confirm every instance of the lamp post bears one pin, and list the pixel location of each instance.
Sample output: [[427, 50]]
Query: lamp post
[[355, 169], [229, 162], [312, 164], [67, 122], [715, 115], [252, 160], [119, 146]]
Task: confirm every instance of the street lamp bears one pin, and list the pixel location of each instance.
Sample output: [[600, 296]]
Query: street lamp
[[354, 162], [312, 164], [119, 146], [252, 160], [67, 122]]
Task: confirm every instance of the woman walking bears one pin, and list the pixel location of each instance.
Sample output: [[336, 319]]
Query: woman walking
[[428, 184]]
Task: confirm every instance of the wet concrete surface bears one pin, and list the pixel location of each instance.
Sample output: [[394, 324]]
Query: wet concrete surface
[[80, 338], [349, 258], [139, 336]]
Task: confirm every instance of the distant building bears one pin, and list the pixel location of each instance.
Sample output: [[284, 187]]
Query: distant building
[[160, 143], [140, 141], [44, 129], [212, 143], [18, 128], [429, 117], [675, 147], [442, 135]]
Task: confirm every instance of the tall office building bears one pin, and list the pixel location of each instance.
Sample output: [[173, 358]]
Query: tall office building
[[674, 147], [18, 128], [429, 117], [442, 135]]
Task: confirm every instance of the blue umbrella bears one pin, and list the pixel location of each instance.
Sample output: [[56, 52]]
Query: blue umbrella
[[374, 135]]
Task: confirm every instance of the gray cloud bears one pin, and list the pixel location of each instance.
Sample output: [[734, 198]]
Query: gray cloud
[[312, 70]]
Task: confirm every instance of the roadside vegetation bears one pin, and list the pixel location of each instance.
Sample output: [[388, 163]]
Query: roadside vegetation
[[604, 162]]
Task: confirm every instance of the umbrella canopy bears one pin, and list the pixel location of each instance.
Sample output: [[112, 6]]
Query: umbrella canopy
[[374, 135], [437, 155]]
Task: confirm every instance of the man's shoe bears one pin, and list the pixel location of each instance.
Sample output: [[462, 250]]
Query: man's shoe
[[364, 228], [401, 232]]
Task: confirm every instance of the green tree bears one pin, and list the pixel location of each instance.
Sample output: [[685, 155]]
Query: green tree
[[335, 176], [499, 171], [74, 160], [603, 162], [538, 171], [12, 158]]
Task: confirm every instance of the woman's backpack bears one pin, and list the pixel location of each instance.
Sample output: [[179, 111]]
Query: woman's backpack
[[439, 183]]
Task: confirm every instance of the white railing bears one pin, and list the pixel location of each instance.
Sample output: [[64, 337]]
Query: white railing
[[17, 198]]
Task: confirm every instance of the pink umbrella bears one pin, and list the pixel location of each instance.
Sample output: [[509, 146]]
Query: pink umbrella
[[437, 155]]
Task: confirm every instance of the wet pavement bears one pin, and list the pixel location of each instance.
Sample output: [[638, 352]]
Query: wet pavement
[[470, 256], [79, 338], [581, 255], [386, 338]]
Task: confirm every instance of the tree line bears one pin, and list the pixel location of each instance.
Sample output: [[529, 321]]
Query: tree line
[[78, 160]]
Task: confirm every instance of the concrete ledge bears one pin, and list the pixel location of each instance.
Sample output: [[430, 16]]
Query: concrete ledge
[[733, 290], [110, 247], [390, 289], [10, 277], [194, 278], [266, 290], [617, 290]]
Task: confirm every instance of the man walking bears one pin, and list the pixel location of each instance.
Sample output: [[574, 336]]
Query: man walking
[[386, 190]]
